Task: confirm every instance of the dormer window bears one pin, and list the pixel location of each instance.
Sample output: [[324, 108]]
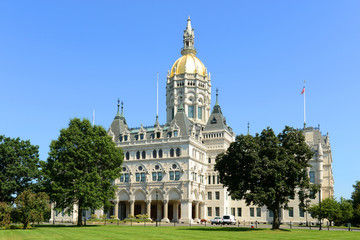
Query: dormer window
[[175, 133], [121, 138], [125, 138], [158, 134], [136, 137], [141, 136], [169, 134]]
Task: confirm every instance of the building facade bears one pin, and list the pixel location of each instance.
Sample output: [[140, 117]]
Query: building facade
[[168, 170]]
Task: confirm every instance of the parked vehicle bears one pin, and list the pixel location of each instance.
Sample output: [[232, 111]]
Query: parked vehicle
[[229, 220], [216, 220]]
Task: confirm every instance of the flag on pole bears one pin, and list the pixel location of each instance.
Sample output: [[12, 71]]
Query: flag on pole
[[303, 90]]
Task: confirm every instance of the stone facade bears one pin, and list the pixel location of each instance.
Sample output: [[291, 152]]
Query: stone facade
[[168, 170]]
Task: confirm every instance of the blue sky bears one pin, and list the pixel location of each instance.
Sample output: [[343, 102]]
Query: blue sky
[[62, 59]]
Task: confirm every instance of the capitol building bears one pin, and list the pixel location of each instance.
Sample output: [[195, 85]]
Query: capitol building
[[168, 169]]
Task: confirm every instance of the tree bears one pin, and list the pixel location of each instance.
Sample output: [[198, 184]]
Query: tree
[[19, 167], [31, 207], [330, 210], [82, 165], [5, 214], [267, 170], [346, 211], [355, 197]]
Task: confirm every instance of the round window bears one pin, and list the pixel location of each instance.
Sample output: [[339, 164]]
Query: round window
[[174, 166], [124, 169], [157, 167], [140, 168]]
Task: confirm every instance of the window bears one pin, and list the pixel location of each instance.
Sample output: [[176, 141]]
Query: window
[[209, 195], [159, 176], [136, 137], [170, 134], [137, 155], [160, 153], [154, 176], [143, 154], [209, 211], [233, 211], [209, 161], [172, 113], [177, 175], [137, 177], [217, 211], [252, 212], [239, 212], [312, 194], [158, 134], [125, 138], [141, 136], [171, 152], [191, 111], [217, 179], [127, 177], [199, 112], [291, 212], [301, 212], [209, 179], [217, 195], [154, 154], [312, 176], [171, 174], [258, 212], [178, 152], [175, 133], [122, 178], [127, 155], [143, 177], [213, 179], [271, 213], [121, 138]]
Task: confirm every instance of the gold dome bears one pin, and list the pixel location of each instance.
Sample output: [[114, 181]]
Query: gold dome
[[189, 62]]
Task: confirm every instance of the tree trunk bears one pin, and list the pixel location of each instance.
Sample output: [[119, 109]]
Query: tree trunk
[[276, 222], [79, 223], [25, 224]]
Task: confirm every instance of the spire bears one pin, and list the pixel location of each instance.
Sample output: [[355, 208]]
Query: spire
[[118, 111], [122, 109], [188, 39], [320, 150], [248, 133], [217, 94]]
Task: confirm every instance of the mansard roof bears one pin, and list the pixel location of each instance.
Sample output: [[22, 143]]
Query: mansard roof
[[217, 120]]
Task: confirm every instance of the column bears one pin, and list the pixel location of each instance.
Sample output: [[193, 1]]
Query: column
[[196, 211], [204, 212], [176, 211], [148, 208], [165, 219], [186, 211], [158, 211], [132, 206], [116, 210]]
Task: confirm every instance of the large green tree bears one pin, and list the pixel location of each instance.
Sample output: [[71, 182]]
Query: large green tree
[[31, 207], [82, 164], [267, 170], [19, 167], [330, 210]]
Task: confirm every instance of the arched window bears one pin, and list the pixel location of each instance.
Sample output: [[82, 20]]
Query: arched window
[[137, 155], [160, 153], [143, 154], [127, 155], [178, 152], [154, 154], [171, 152]]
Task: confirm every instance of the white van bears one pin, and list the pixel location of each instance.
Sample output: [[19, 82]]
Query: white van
[[229, 220]]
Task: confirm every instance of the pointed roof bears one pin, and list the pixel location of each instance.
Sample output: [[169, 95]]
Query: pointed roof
[[119, 124], [217, 120], [182, 121]]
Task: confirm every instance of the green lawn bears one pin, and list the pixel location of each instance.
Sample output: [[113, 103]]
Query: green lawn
[[184, 233]]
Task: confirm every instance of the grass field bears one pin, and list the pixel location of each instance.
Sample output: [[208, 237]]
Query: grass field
[[150, 232]]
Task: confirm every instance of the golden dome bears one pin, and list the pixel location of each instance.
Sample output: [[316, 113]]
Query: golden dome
[[190, 64]]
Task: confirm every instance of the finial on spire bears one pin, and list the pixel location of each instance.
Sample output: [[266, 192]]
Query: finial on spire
[[217, 94], [248, 127], [188, 39], [122, 108], [118, 105]]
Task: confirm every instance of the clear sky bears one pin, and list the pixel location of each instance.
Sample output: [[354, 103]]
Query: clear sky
[[62, 59]]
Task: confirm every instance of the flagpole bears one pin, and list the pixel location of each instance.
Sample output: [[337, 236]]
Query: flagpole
[[304, 107]]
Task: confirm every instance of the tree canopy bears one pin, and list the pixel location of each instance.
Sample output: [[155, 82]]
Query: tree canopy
[[355, 197], [267, 170], [82, 165], [19, 167]]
